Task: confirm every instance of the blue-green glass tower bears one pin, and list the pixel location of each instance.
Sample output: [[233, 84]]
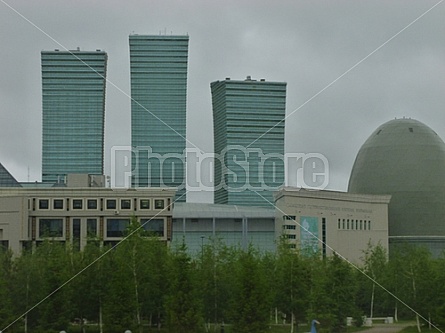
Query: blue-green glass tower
[[158, 68], [248, 129], [73, 105]]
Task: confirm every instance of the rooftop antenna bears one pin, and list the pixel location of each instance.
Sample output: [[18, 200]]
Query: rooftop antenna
[[28, 173]]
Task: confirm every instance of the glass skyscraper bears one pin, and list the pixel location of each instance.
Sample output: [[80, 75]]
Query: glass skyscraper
[[73, 104], [248, 129], [158, 68]]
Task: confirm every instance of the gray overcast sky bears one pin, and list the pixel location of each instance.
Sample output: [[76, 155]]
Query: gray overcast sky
[[307, 44]]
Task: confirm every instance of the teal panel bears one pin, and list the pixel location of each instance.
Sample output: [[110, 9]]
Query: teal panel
[[309, 234]]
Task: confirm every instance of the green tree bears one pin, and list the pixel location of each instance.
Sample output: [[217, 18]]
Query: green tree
[[333, 293], [415, 273], [53, 262], [438, 288], [133, 253], [183, 306], [375, 262], [211, 282], [26, 290], [118, 304], [320, 300], [154, 287], [292, 283], [251, 300], [89, 286], [6, 302]]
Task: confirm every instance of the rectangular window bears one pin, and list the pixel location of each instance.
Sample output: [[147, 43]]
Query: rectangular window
[[111, 204], [117, 227], [291, 236], [92, 203], [77, 203], [159, 203], [43, 204], [290, 226], [76, 234], [4, 245], [125, 204], [323, 236], [153, 226], [76, 228], [92, 227], [289, 217], [58, 204], [364, 225], [144, 204], [50, 228]]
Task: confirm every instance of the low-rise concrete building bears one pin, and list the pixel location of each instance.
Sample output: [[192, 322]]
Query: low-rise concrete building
[[329, 221], [80, 213]]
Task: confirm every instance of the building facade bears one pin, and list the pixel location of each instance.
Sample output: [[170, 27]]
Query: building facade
[[200, 224], [158, 69], [77, 215], [73, 105], [326, 221], [248, 126]]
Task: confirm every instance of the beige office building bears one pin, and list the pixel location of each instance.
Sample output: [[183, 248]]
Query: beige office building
[[329, 221], [78, 213]]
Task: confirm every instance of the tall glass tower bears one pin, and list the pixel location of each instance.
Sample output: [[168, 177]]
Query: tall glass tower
[[158, 68], [73, 104], [248, 129]]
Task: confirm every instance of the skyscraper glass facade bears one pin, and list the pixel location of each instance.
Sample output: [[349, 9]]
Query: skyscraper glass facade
[[73, 104], [158, 68], [248, 125]]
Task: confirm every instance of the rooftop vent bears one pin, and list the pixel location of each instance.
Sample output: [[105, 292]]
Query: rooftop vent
[[248, 78]]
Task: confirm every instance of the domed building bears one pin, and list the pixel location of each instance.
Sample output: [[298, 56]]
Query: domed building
[[406, 159]]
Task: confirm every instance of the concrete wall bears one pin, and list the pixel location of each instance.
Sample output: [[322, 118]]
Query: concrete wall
[[13, 221], [351, 221]]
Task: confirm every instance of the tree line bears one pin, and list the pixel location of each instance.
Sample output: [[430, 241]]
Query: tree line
[[144, 286]]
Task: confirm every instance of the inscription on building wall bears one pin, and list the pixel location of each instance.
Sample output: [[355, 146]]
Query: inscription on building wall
[[334, 209]]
